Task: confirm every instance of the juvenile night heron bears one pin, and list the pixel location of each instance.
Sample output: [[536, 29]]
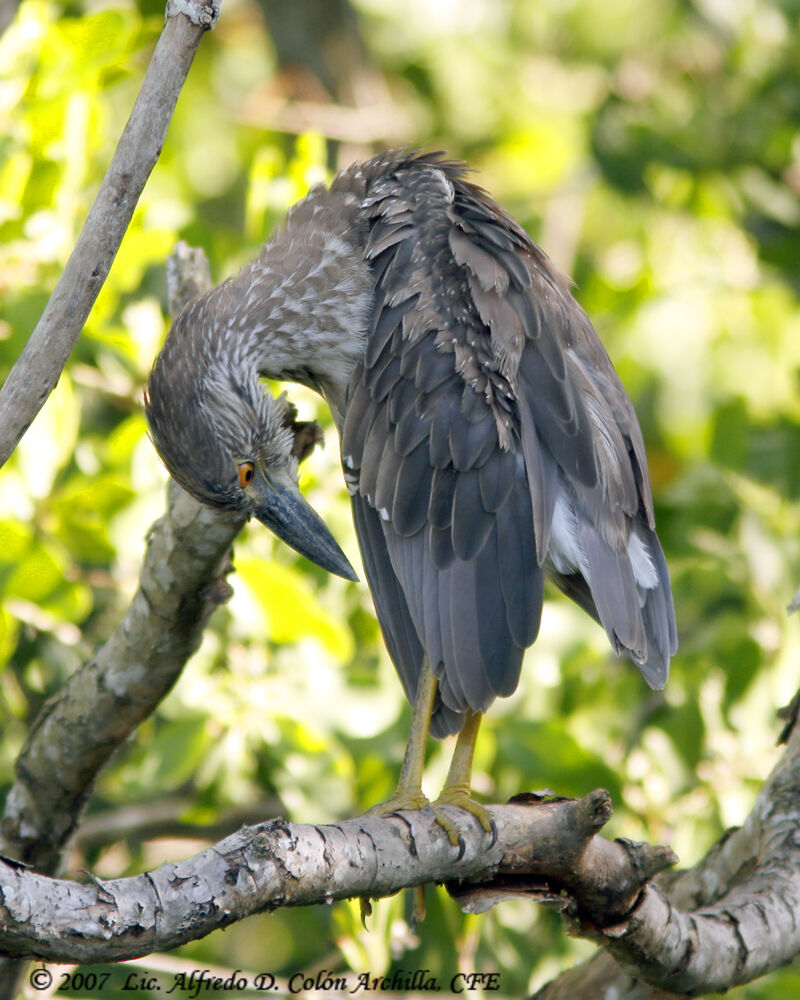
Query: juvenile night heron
[[486, 439]]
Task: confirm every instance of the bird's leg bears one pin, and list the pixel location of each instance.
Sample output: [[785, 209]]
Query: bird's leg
[[457, 787], [408, 794]]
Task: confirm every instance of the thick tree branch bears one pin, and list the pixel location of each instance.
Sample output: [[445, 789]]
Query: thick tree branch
[[543, 848], [181, 583], [38, 368], [726, 921]]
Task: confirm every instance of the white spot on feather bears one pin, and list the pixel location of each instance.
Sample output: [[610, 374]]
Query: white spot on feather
[[564, 548], [642, 563]]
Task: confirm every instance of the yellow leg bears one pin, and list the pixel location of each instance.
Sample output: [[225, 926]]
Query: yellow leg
[[457, 787], [408, 794], [456, 791]]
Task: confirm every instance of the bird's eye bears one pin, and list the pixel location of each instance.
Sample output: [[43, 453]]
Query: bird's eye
[[246, 473]]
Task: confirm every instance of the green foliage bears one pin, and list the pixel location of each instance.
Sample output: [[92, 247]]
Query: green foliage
[[656, 158]]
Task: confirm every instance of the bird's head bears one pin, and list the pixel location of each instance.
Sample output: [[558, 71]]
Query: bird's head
[[234, 446]]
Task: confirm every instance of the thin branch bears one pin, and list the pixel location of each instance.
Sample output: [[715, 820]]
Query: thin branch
[[39, 367], [162, 818], [549, 846], [8, 11], [364, 125]]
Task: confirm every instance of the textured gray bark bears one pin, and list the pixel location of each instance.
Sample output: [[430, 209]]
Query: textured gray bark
[[726, 921], [543, 849], [37, 370], [181, 582]]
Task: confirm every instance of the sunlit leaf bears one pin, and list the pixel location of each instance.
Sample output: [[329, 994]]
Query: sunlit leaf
[[82, 510], [549, 757], [293, 611], [175, 751]]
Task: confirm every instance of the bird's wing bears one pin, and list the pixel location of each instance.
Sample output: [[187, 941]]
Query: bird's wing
[[487, 430], [432, 488], [598, 533]]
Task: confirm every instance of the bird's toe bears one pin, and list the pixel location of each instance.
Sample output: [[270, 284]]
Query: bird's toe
[[463, 800]]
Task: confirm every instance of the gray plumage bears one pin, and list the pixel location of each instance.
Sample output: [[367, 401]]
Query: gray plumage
[[486, 438]]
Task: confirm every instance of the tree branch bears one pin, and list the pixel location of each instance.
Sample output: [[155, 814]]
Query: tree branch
[[726, 921], [182, 581], [38, 368], [79, 728], [543, 848]]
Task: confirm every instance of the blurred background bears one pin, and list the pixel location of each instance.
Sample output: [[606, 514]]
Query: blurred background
[[654, 152]]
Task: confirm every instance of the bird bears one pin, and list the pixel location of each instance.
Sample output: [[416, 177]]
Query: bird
[[487, 442]]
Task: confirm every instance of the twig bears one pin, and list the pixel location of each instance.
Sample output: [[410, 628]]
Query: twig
[[38, 368], [162, 818]]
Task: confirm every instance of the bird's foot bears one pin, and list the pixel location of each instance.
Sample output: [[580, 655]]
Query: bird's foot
[[463, 800], [403, 800]]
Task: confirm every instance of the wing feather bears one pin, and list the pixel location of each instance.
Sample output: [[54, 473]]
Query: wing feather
[[489, 429]]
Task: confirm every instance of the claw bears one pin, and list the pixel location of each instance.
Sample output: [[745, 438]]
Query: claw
[[417, 906], [453, 797]]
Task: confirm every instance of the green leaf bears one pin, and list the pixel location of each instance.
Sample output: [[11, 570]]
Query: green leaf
[[686, 727], [82, 511], [50, 440], [176, 751], [547, 756], [293, 611]]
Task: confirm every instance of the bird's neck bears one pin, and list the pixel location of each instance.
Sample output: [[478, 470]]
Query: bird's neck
[[299, 311]]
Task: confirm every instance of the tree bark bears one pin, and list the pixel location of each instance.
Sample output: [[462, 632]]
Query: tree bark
[[543, 849], [726, 921], [79, 728], [8, 11]]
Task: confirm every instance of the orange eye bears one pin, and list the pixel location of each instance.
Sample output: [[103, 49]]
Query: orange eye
[[246, 473]]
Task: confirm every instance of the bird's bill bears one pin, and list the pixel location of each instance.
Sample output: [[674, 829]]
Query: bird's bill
[[281, 507]]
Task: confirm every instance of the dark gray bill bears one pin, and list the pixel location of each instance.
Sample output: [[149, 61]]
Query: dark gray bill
[[283, 510]]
